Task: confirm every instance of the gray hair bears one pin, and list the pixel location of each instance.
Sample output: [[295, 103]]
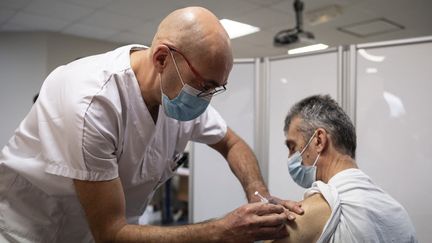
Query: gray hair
[[321, 111]]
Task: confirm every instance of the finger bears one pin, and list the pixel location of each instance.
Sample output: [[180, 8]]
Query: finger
[[271, 220], [268, 233], [291, 216], [292, 206], [268, 208], [275, 200]]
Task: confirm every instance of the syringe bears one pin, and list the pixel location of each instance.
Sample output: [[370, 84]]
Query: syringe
[[263, 199]]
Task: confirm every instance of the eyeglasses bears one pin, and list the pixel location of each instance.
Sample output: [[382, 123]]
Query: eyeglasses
[[207, 91]]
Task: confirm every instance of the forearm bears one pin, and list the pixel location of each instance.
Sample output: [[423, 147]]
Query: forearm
[[211, 231], [248, 223], [244, 165]]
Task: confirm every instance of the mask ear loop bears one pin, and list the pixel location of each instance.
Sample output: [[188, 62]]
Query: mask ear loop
[[316, 160], [176, 67], [310, 140], [191, 89]]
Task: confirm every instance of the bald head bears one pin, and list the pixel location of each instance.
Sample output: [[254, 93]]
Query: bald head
[[198, 34]]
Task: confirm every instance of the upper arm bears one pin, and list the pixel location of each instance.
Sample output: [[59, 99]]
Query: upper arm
[[104, 205], [308, 226], [225, 143]]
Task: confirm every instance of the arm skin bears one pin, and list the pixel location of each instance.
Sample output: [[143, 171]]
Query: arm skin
[[308, 227], [244, 165], [104, 205]]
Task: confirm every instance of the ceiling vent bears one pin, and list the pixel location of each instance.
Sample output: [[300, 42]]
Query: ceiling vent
[[371, 27]]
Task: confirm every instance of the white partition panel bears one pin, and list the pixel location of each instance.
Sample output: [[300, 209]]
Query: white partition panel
[[291, 80], [394, 118], [215, 190]]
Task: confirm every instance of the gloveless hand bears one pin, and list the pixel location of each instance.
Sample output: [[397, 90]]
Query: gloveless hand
[[255, 221], [291, 206]]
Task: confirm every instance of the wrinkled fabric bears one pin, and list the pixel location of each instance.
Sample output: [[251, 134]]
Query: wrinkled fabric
[[361, 211]]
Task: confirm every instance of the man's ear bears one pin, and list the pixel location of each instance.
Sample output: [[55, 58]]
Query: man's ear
[[322, 140], [160, 56]]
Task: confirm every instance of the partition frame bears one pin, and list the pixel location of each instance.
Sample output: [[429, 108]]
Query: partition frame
[[417, 40]]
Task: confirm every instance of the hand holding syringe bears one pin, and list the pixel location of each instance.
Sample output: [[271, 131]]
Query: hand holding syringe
[[295, 209]]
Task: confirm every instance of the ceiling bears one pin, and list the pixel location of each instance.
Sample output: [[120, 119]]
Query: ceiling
[[135, 21]]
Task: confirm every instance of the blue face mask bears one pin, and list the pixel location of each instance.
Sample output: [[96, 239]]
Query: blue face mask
[[187, 105], [303, 175]]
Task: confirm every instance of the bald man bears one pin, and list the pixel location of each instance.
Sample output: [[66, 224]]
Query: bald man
[[107, 130]]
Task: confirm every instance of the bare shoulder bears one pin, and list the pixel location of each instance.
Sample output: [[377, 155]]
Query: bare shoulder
[[308, 227]]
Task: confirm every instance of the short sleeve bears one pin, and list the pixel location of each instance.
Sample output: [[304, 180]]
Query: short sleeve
[[100, 140], [209, 128], [328, 191], [81, 141], [331, 196]]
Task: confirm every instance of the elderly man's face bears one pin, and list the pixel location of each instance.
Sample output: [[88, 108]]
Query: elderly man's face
[[295, 141]]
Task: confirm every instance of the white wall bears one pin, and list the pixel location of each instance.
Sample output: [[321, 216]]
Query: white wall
[[22, 70], [25, 60], [63, 49]]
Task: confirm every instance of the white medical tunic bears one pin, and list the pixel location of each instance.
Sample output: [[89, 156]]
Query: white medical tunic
[[361, 211], [90, 123]]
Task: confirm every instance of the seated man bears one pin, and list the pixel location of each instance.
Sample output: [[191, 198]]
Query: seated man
[[341, 204]]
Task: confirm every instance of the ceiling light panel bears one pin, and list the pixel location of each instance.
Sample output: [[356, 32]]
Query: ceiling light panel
[[310, 48], [237, 29]]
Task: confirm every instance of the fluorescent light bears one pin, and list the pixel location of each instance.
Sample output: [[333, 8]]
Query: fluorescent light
[[236, 29], [315, 47]]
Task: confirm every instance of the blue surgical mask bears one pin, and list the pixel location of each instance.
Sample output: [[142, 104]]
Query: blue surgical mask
[[187, 105], [303, 175]]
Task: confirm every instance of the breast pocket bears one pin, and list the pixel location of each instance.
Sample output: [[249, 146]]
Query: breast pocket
[[172, 165], [161, 155], [151, 167]]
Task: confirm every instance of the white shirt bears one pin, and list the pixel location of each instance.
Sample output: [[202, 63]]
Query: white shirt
[[90, 123], [361, 211]]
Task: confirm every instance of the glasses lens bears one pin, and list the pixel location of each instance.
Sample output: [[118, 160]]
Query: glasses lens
[[212, 92]]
